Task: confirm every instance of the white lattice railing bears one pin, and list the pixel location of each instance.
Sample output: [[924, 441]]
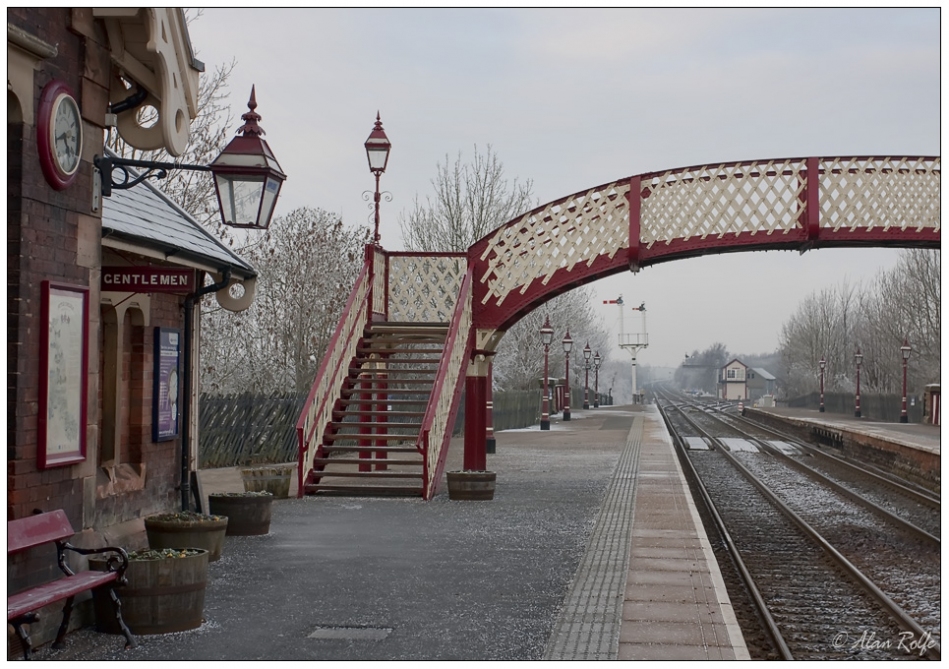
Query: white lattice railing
[[423, 288], [329, 379], [577, 229], [446, 391], [763, 197], [868, 193], [715, 200]]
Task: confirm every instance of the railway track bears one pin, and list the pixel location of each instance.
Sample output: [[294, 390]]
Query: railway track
[[819, 570]]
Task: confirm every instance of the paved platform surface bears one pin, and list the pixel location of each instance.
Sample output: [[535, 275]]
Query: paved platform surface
[[591, 549], [915, 435]]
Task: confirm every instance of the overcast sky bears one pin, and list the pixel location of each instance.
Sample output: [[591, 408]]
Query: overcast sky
[[575, 98]]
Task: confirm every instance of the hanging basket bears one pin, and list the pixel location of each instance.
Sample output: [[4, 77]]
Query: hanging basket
[[247, 513], [471, 485]]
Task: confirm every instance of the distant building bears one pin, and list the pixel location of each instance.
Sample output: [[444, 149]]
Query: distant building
[[759, 382], [738, 381], [732, 381]]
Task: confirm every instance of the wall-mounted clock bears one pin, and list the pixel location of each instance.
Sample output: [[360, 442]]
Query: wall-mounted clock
[[59, 135]]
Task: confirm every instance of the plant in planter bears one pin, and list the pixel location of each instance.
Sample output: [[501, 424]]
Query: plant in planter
[[274, 479], [187, 529], [248, 513], [471, 484], [164, 593]]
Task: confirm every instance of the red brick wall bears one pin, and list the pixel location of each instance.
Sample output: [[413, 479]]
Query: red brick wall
[[42, 244]]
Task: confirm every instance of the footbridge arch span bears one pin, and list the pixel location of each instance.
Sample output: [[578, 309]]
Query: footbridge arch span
[[791, 204]]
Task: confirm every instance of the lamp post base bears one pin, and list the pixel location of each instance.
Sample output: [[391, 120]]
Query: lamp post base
[[822, 409], [545, 425], [566, 414], [904, 419], [856, 413]]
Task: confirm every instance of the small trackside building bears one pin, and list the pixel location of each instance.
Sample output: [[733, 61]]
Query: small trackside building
[[732, 381]]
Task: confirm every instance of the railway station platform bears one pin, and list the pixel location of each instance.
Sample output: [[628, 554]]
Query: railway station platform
[[592, 549], [909, 450]]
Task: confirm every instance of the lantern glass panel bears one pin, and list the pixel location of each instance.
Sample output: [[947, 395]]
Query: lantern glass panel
[[377, 157], [241, 198]]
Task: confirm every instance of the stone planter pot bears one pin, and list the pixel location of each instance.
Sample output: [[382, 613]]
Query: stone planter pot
[[187, 530], [164, 594], [247, 513], [471, 485], [274, 479]]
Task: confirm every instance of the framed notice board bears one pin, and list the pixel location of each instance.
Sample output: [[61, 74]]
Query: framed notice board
[[64, 374], [167, 384]]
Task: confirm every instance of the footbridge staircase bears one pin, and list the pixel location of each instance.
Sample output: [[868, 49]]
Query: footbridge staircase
[[421, 328], [379, 416]]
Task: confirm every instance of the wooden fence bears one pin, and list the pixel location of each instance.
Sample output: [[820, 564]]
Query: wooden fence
[[248, 429], [885, 408]]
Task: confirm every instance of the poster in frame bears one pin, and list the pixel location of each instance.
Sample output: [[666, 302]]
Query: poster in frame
[[166, 391], [64, 374]]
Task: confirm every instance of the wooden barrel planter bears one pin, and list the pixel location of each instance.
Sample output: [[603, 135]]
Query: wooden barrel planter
[[187, 530], [247, 513], [471, 485], [165, 592], [274, 479]]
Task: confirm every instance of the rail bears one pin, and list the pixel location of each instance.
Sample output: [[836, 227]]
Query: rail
[[446, 391], [318, 409]]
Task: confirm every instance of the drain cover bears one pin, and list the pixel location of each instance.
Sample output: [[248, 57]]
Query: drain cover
[[351, 633]]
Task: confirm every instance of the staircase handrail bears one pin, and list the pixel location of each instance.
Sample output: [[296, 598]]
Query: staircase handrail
[[333, 370], [446, 390]]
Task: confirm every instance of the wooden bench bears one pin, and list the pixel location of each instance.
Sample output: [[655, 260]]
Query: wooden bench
[[54, 527]]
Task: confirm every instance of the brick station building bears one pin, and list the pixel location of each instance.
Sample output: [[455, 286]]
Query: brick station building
[[93, 363]]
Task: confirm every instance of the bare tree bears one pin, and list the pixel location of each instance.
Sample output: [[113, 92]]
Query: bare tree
[[471, 200], [519, 362], [901, 303], [307, 262]]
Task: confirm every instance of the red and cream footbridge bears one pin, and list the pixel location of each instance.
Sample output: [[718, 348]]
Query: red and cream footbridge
[[420, 328]]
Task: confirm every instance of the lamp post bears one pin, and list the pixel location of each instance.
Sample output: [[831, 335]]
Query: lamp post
[[547, 336], [567, 345], [858, 359], [247, 176], [377, 151], [905, 350], [596, 383], [822, 363], [586, 380]]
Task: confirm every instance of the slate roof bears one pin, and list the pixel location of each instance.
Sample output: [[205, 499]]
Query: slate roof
[[144, 215], [763, 373]]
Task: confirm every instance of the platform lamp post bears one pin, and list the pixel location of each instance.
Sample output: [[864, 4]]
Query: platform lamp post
[[377, 151], [858, 359], [567, 346], [547, 336], [596, 382], [586, 380], [905, 350], [822, 363]]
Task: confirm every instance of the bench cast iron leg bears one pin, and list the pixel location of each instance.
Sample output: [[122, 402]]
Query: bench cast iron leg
[[117, 604], [22, 633], [64, 626]]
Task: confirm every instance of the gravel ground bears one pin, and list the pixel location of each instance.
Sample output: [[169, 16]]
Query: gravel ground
[[401, 579]]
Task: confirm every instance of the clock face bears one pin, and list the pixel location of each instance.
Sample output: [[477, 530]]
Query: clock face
[[67, 134], [59, 135]]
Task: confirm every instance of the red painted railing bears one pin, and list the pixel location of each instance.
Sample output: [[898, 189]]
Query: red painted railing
[[446, 391], [318, 410]]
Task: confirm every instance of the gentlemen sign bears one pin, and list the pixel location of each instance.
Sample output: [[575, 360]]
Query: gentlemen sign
[[148, 279]]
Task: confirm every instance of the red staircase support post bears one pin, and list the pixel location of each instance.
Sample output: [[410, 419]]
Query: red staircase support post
[[380, 414], [475, 425], [490, 444], [366, 405]]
